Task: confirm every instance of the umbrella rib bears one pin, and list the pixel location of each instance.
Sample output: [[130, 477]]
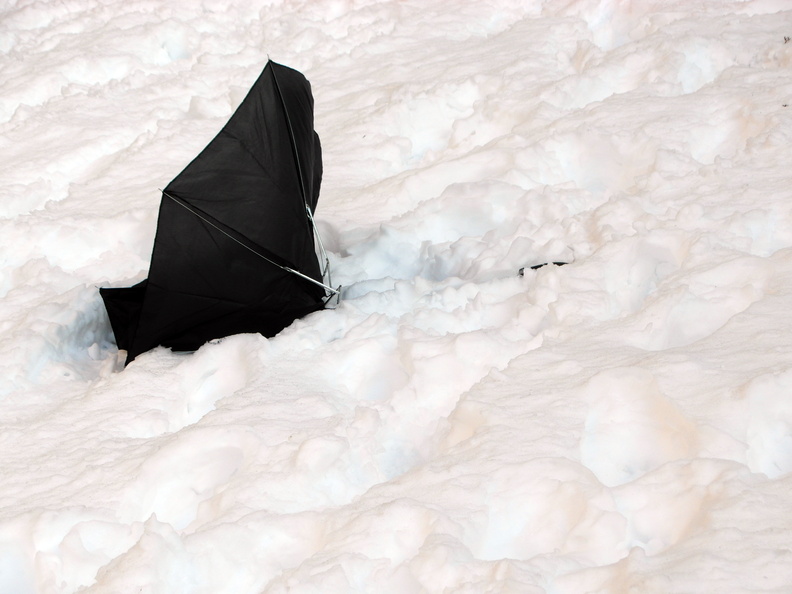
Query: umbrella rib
[[291, 137], [206, 220], [296, 153]]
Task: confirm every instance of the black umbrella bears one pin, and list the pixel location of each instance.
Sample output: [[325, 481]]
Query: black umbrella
[[234, 250]]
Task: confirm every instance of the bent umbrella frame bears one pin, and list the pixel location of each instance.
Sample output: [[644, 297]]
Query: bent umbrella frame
[[236, 243]]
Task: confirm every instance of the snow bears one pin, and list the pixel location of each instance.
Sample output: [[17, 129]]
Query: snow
[[619, 424]]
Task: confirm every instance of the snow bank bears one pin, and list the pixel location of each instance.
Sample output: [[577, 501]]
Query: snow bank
[[619, 424]]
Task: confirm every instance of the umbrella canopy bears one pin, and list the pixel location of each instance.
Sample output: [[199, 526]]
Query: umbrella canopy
[[234, 249]]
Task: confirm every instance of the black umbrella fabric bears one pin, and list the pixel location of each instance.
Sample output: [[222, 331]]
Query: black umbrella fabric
[[234, 249]]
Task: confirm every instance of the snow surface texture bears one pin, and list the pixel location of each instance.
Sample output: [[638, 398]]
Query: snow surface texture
[[621, 424]]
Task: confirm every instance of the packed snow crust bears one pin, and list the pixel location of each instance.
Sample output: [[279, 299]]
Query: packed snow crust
[[620, 424]]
